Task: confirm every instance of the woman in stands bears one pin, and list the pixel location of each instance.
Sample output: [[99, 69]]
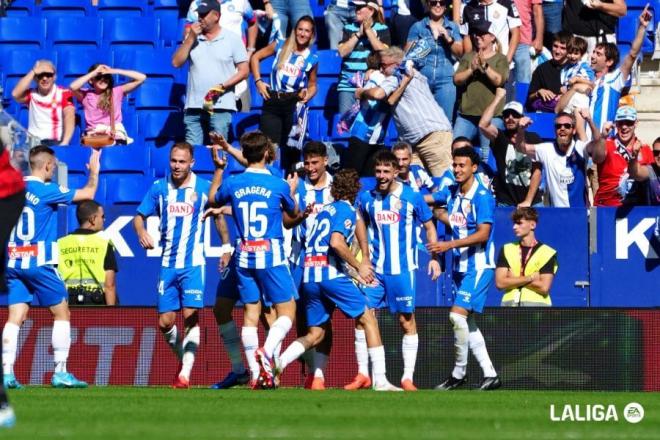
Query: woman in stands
[[103, 99], [368, 34], [292, 80], [441, 35]]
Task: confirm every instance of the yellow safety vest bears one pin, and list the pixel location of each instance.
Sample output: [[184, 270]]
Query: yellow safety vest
[[81, 260], [518, 295]]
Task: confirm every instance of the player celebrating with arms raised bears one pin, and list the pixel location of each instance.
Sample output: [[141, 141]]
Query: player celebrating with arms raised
[[391, 211], [179, 200], [258, 199], [470, 206]]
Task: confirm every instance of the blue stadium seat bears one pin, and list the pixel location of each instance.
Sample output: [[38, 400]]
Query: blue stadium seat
[[159, 159], [203, 162], [265, 67], [20, 62], [66, 8], [153, 62], [22, 8], [122, 8], [171, 30], [72, 64], [367, 183], [326, 94], [159, 95], [75, 157], [521, 92], [66, 33], [160, 126], [126, 189], [167, 11], [544, 124], [131, 158], [19, 33], [256, 101], [329, 63], [244, 122], [627, 29], [131, 33], [392, 135]]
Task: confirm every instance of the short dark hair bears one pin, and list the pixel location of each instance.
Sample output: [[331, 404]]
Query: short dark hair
[[468, 152], [345, 185], [577, 44], [657, 140], [527, 213], [373, 61], [402, 146], [611, 53], [563, 37], [86, 209], [183, 146], [460, 139], [36, 151], [566, 114], [315, 148], [254, 145], [386, 157]]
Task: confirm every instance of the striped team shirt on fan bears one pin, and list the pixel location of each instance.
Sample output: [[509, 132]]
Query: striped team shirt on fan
[[181, 224], [293, 75], [321, 262], [307, 194], [45, 115], [391, 220], [33, 241], [418, 179], [466, 212], [257, 200], [605, 97]]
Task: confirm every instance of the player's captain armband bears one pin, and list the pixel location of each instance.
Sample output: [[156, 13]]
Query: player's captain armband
[[16, 252], [316, 261], [255, 246]]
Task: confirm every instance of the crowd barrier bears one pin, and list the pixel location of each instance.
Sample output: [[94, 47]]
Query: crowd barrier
[[538, 349]]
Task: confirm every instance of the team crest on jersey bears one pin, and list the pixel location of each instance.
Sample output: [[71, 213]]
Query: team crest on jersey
[[180, 209], [387, 217], [348, 224], [458, 219], [194, 197], [496, 15], [396, 204]]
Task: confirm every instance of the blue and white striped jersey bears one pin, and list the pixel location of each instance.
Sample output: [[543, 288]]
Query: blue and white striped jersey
[[181, 226], [293, 75], [605, 97], [257, 200], [466, 212], [321, 262], [305, 195], [370, 124], [419, 180], [33, 241], [391, 221]]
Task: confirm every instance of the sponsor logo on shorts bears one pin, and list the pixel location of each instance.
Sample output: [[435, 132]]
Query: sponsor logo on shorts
[[255, 246], [466, 295], [316, 261], [16, 252], [180, 209]]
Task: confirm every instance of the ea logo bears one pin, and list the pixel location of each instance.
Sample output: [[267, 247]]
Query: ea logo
[[633, 412]]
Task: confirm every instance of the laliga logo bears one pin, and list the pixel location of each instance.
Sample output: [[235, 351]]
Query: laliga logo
[[633, 413], [387, 217], [180, 209]]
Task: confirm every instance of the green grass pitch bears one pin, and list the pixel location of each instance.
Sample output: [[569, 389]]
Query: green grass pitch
[[195, 414]]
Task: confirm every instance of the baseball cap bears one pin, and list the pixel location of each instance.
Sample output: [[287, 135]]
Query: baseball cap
[[207, 6], [481, 27], [514, 106], [625, 113]]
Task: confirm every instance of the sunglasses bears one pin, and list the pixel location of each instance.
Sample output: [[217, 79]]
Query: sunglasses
[[565, 125], [45, 75], [436, 3], [105, 78], [513, 115], [625, 122], [656, 153]]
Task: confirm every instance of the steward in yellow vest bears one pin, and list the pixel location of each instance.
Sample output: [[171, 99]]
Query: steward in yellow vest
[[87, 260], [526, 268]]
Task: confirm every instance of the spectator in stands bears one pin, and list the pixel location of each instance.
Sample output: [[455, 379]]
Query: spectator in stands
[[504, 24], [367, 34], [612, 154], [648, 174], [518, 178], [217, 60], [292, 80], [609, 80], [102, 101], [527, 267], [51, 113], [479, 74], [545, 88], [593, 20], [370, 125], [338, 14], [402, 18], [563, 161], [552, 20], [531, 37], [289, 11], [419, 119], [87, 261], [577, 71], [413, 175], [444, 39]]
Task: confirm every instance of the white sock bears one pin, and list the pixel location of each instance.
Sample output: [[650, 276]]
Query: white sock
[[172, 338], [277, 352], [320, 362], [409, 350], [478, 347], [461, 333], [377, 355], [361, 353], [9, 345], [232, 344], [190, 344], [276, 334], [61, 341], [250, 340], [292, 352]]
